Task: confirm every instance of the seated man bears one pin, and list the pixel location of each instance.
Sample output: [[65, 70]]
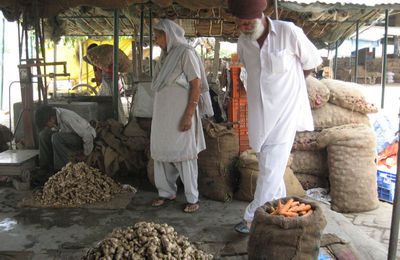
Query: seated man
[[63, 134]]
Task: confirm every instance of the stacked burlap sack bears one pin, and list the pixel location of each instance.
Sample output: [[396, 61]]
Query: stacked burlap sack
[[248, 174], [352, 167], [346, 105], [311, 168], [334, 103], [216, 164], [118, 147]]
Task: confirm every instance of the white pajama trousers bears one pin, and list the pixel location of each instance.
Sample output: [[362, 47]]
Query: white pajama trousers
[[167, 173], [270, 184]]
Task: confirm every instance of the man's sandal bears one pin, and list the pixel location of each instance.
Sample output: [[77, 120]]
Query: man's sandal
[[243, 227], [191, 207], [161, 201]]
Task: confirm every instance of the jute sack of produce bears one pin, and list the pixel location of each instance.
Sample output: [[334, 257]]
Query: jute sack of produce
[[352, 168], [332, 115], [306, 141], [279, 237], [310, 162], [249, 171], [216, 164], [102, 56], [318, 93], [349, 95]]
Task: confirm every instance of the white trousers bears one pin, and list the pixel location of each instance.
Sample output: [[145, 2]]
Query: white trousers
[[270, 184], [167, 173]]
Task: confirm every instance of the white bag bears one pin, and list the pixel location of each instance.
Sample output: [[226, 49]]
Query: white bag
[[143, 101]]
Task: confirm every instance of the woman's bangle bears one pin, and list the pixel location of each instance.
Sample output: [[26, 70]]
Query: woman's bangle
[[195, 102]]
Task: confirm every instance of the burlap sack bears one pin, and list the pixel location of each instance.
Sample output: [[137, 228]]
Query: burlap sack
[[278, 237], [331, 115], [352, 168], [309, 181], [115, 146], [305, 141], [216, 164], [249, 171], [102, 56], [349, 95], [310, 162], [293, 186], [318, 93]]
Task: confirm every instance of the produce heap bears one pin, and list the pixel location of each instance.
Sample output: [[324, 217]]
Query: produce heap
[[146, 240], [77, 184]]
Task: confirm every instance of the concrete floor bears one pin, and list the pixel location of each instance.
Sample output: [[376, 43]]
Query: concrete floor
[[68, 233]]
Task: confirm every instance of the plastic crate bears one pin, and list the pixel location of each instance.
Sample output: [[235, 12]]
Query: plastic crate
[[386, 185], [238, 89], [237, 114]]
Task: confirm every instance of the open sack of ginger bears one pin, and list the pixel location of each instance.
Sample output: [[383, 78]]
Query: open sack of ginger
[[80, 186]]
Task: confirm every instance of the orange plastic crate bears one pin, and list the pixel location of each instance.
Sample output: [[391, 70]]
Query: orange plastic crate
[[237, 114], [237, 87]]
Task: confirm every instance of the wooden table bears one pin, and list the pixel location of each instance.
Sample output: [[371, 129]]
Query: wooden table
[[18, 165]]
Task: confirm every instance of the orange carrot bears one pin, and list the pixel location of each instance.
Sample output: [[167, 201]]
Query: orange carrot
[[295, 203], [308, 213], [302, 208], [301, 213], [286, 206], [279, 207], [289, 214]]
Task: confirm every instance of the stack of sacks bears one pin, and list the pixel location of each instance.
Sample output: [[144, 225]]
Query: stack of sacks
[[311, 168], [249, 171], [346, 105], [118, 146], [334, 103]]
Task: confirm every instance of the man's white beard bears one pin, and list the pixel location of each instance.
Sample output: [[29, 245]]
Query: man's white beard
[[256, 32]]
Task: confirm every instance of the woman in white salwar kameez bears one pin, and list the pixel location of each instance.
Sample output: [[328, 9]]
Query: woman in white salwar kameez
[[181, 98]]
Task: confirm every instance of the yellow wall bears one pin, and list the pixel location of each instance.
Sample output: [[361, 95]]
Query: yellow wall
[[71, 56]]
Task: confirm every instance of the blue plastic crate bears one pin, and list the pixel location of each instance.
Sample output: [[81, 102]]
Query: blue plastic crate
[[386, 185]]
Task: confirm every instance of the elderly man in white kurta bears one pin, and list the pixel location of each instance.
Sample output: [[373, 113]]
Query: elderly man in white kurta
[[277, 56], [181, 97]]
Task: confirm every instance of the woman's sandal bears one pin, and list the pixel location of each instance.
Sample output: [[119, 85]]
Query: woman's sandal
[[161, 201], [191, 207]]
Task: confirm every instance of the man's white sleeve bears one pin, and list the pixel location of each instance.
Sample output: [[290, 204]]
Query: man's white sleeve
[[305, 50]]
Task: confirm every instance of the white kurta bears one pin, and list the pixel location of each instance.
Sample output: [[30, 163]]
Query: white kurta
[[278, 102], [167, 142]]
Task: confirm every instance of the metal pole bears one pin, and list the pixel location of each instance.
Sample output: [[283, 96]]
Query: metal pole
[[115, 64], [141, 40], [2, 65], [335, 63], [384, 59], [394, 228], [80, 61], [356, 61], [151, 42], [55, 72], [276, 10]]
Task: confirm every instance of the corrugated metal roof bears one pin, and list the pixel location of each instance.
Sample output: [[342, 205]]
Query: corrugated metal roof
[[370, 3]]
